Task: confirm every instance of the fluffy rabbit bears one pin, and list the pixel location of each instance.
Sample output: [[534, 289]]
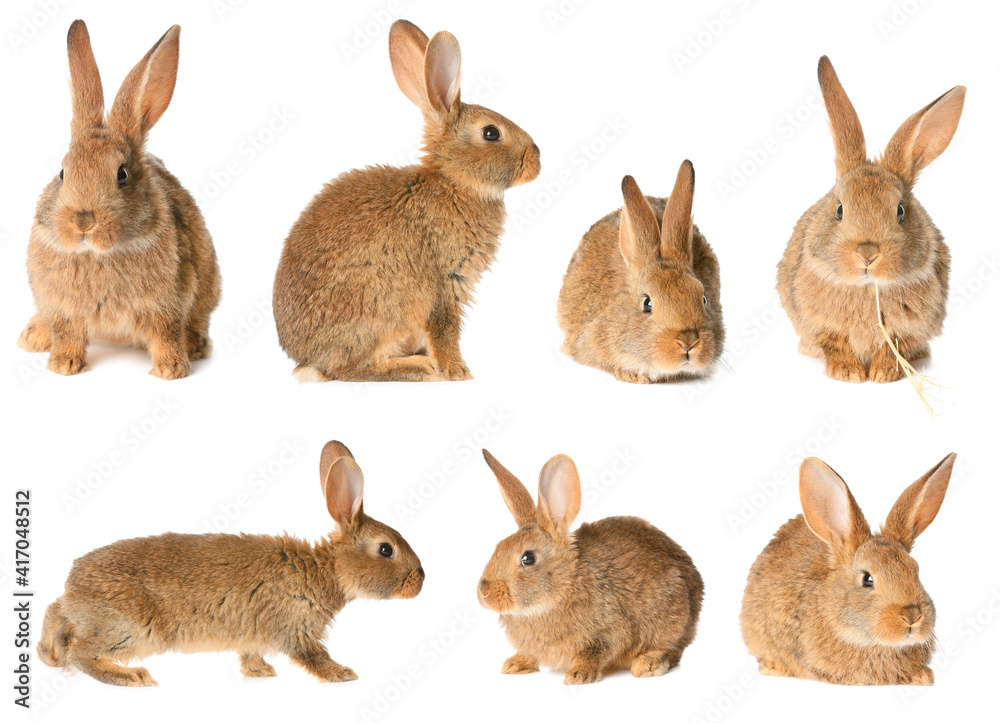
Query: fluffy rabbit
[[641, 295], [253, 594], [376, 273], [119, 252], [617, 593], [869, 228], [829, 600]]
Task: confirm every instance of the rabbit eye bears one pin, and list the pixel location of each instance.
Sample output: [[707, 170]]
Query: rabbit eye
[[867, 580], [528, 559], [647, 304], [704, 300], [385, 549], [840, 211], [122, 176], [491, 133], [900, 213], [62, 173]]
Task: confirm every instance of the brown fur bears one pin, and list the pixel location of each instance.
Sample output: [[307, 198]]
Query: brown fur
[[649, 247], [253, 594], [127, 265], [617, 593], [825, 276], [376, 273], [806, 612]]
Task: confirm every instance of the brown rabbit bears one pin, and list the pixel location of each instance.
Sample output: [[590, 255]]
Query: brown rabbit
[[376, 273], [253, 594], [829, 600], [617, 593], [119, 252], [869, 228], [641, 296]]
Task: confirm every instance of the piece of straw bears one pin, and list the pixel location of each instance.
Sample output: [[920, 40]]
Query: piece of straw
[[921, 384]]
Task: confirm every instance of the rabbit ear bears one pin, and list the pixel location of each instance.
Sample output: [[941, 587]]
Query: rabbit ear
[[515, 495], [558, 495], [148, 88], [84, 79], [407, 50], [675, 235], [344, 488], [848, 138], [917, 507], [639, 235], [443, 72], [829, 507], [924, 136], [332, 451]]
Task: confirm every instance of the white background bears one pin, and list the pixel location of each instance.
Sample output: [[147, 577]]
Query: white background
[[701, 456]]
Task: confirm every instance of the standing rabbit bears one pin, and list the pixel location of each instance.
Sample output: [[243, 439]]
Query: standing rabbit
[[641, 295], [376, 273], [869, 228], [829, 600], [119, 252], [253, 594], [617, 593]]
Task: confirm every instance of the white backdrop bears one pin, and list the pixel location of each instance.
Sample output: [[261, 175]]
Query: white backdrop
[[273, 99]]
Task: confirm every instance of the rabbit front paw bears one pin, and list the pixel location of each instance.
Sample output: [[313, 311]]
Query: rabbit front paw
[[67, 364], [846, 369], [519, 665], [581, 676]]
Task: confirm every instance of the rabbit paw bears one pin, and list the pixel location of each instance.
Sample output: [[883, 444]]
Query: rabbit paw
[[455, 371], [37, 336], [171, 367], [885, 367], [67, 364], [923, 677], [624, 375], [581, 676], [650, 665], [138, 678], [519, 665], [846, 369], [337, 674], [771, 667], [199, 346], [254, 666]]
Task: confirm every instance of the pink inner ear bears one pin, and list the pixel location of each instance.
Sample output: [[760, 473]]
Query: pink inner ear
[[445, 76]]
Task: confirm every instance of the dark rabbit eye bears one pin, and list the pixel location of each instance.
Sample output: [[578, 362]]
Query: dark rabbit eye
[[704, 300], [62, 173], [647, 304], [491, 133], [528, 558], [122, 176], [900, 213], [840, 211], [385, 549], [867, 580]]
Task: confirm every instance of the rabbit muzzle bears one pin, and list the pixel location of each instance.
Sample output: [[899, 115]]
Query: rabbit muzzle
[[412, 584], [495, 595]]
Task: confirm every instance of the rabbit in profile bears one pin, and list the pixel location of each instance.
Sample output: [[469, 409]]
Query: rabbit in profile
[[870, 228], [616, 593], [119, 252], [376, 273], [252, 594], [830, 600], [641, 296]]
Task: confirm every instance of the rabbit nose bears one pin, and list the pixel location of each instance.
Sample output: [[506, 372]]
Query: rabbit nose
[[484, 587], [868, 253], [912, 616], [688, 340], [84, 221]]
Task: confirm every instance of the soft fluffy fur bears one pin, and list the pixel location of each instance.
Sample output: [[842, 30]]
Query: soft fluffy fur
[[806, 612], [826, 275], [253, 594], [376, 273], [127, 265], [617, 593], [648, 248]]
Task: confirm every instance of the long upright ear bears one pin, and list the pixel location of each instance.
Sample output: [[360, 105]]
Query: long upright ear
[[407, 50], [558, 495], [344, 488], [924, 136], [515, 495], [84, 79], [919, 504], [638, 235], [443, 72], [829, 507], [148, 88], [848, 138], [332, 451], [675, 235]]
